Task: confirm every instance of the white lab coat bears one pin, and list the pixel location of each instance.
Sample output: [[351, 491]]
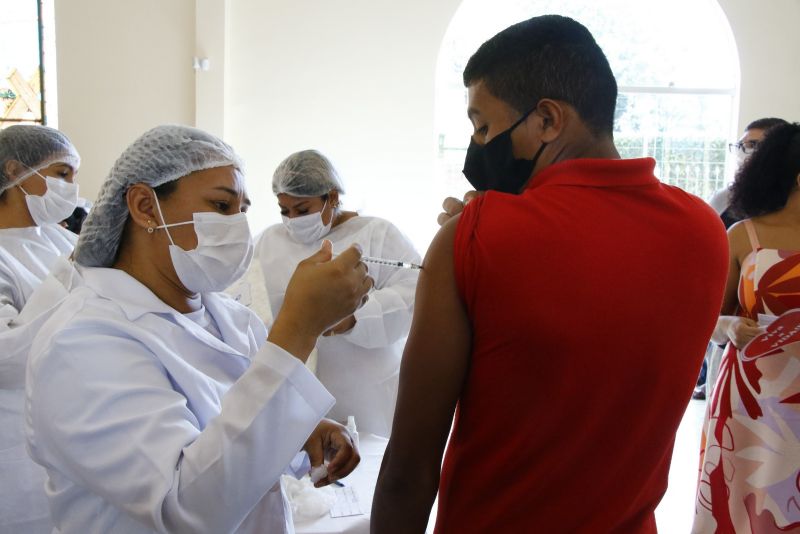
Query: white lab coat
[[26, 257], [145, 421], [360, 368]]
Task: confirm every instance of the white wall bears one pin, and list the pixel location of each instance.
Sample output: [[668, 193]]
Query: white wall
[[211, 44], [123, 67], [769, 54], [353, 78]]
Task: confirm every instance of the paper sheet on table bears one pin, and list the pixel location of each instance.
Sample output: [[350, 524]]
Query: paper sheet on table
[[346, 503]]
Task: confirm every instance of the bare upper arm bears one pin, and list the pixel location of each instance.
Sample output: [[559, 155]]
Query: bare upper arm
[[739, 247], [435, 361]]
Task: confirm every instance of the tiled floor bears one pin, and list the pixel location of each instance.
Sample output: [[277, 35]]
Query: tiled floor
[[674, 514]]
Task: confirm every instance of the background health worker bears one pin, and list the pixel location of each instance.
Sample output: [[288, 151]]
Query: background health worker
[[38, 165], [157, 404], [37, 191], [358, 359]]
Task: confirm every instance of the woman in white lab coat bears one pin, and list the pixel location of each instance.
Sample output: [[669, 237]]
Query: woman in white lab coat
[[358, 359], [156, 403], [37, 191]]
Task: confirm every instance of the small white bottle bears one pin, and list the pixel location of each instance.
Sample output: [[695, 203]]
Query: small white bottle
[[351, 428]]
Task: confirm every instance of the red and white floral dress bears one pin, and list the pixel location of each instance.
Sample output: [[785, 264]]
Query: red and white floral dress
[[750, 451]]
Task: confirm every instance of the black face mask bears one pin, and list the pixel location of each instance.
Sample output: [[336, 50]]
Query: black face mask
[[493, 167]]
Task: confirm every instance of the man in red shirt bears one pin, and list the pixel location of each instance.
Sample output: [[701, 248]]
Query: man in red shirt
[[562, 316]]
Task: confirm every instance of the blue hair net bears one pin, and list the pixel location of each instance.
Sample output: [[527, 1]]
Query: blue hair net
[[161, 155]]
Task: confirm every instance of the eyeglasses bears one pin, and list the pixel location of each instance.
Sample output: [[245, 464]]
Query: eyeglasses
[[745, 147]]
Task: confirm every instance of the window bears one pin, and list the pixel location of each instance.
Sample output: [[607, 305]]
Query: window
[[675, 63], [25, 36]]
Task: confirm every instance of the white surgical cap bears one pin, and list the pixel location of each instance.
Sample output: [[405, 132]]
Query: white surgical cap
[[306, 174], [36, 147], [161, 155]]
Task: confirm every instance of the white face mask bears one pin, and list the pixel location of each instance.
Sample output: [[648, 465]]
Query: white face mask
[[57, 203], [223, 254], [308, 229]]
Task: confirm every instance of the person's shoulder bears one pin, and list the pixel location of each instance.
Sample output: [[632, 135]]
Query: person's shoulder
[[688, 201], [275, 232], [738, 236], [372, 222], [63, 321], [278, 229]]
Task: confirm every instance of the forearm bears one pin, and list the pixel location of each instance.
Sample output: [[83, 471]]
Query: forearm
[[403, 498], [289, 334]]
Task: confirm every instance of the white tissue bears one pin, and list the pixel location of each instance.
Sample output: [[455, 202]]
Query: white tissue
[[318, 473], [308, 502]]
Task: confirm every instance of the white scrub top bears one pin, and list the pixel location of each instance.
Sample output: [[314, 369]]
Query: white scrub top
[[145, 421], [360, 368], [26, 257]]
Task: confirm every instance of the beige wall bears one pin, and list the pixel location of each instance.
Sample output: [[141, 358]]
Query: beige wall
[[123, 67], [211, 43], [354, 78]]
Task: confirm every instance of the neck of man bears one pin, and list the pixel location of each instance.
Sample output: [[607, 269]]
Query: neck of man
[[578, 145]]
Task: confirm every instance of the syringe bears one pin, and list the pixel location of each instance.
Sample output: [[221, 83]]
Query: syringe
[[391, 263]]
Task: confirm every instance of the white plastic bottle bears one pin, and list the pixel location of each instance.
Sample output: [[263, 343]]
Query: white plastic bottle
[[351, 428]]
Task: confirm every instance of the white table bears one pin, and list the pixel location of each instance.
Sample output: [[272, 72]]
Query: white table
[[362, 480]]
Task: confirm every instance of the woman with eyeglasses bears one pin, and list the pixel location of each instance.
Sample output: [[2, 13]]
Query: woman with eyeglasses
[[750, 473], [753, 134], [721, 202]]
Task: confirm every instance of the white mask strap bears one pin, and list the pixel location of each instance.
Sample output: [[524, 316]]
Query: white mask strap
[[34, 171], [166, 226]]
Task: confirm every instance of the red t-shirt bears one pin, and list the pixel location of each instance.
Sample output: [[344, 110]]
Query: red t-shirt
[[592, 296]]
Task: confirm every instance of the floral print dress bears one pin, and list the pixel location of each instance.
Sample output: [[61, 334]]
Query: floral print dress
[[750, 451]]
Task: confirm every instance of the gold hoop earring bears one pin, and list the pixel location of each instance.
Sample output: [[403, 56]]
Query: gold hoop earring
[[150, 228]]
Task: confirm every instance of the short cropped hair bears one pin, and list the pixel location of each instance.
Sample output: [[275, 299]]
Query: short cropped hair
[[548, 57], [766, 178]]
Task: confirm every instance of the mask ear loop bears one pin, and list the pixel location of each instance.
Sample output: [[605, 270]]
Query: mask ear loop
[[34, 171], [164, 226], [321, 219]]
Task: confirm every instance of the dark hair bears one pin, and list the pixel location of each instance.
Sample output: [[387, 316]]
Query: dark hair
[[548, 57], [764, 181], [166, 189], [765, 124]]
